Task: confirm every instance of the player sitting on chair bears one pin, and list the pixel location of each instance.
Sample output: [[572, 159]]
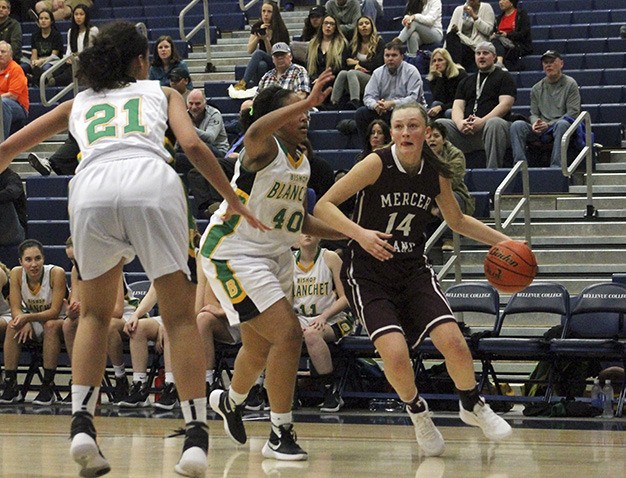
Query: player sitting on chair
[[320, 303]]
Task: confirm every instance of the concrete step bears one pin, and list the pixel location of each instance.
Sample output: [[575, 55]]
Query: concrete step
[[609, 179], [615, 167], [603, 213], [589, 229], [599, 189], [618, 156], [580, 203]]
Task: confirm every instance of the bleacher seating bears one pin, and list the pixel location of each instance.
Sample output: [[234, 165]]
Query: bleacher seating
[[585, 31]]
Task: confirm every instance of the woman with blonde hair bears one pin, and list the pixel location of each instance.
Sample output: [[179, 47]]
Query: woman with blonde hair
[[444, 76], [366, 54], [327, 49]]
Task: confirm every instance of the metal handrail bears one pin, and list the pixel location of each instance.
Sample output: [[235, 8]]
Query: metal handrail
[[455, 258], [203, 23], [520, 167], [586, 152], [73, 86]]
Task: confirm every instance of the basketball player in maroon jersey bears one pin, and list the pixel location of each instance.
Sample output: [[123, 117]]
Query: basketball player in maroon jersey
[[388, 281]]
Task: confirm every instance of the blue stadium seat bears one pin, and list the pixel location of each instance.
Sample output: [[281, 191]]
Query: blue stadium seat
[[229, 22], [618, 16], [339, 158], [566, 31], [612, 113], [56, 255], [42, 208], [608, 134], [604, 60], [483, 203], [160, 11], [324, 120], [126, 12], [585, 45], [226, 104], [332, 139], [602, 94], [551, 18], [216, 88], [589, 77], [44, 187], [49, 232]]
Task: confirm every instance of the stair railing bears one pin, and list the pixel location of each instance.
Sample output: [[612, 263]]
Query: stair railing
[[454, 259], [585, 153], [43, 81], [204, 23], [520, 168]]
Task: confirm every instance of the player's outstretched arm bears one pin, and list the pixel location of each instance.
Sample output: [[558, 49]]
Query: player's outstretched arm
[[202, 158]]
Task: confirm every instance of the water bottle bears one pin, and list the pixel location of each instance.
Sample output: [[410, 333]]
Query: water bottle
[[596, 395], [607, 390]]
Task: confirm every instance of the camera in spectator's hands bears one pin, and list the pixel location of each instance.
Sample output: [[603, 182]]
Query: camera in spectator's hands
[[259, 31]]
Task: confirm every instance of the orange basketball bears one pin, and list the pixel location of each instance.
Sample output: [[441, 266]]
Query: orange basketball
[[510, 266]]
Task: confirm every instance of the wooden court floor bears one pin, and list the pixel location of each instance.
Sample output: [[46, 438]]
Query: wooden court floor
[[33, 445]]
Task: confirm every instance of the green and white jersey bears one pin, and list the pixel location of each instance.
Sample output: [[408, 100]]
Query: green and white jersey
[[276, 195], [136, 113], [40, 299], [313, 287]]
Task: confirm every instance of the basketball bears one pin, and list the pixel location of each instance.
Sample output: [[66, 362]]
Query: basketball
[[510, 266]]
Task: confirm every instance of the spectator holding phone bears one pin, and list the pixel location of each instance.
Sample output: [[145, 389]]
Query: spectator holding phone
[[270, 29], [366, 54]]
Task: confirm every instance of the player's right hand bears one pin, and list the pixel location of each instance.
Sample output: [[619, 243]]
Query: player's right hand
[[375, 243]]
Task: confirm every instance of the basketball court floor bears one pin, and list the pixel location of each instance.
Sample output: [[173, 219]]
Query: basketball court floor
[[350, 444]]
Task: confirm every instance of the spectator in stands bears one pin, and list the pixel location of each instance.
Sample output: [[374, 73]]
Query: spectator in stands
[[366, 54], [481, 109], [511, 35], [209, 126], [471, 24], [36, 298], [10, 30], [265, 33], [62, 9], [456, 161], [554, 104], [313, 22], [63, 162], [444, 77], [377, 136], [320, 302], [165, 58], [207, 197], [79, 36], [393, 84], [422, 24], [180, 80], [328, 49], [346, 13], [13, 216], [372, 9], [46, 47], [14, 91], [285, 73], [125, 306]]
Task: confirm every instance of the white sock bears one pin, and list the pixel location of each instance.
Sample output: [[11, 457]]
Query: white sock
[[194, 410], [169, 377], [140, 377], [120, 370], [280, 419], [209, 377], [237, 398], [84, 399]]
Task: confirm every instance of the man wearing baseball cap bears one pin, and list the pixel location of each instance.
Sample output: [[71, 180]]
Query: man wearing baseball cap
[[481, 108], [180, 80], [551, 100], [286, 74]]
